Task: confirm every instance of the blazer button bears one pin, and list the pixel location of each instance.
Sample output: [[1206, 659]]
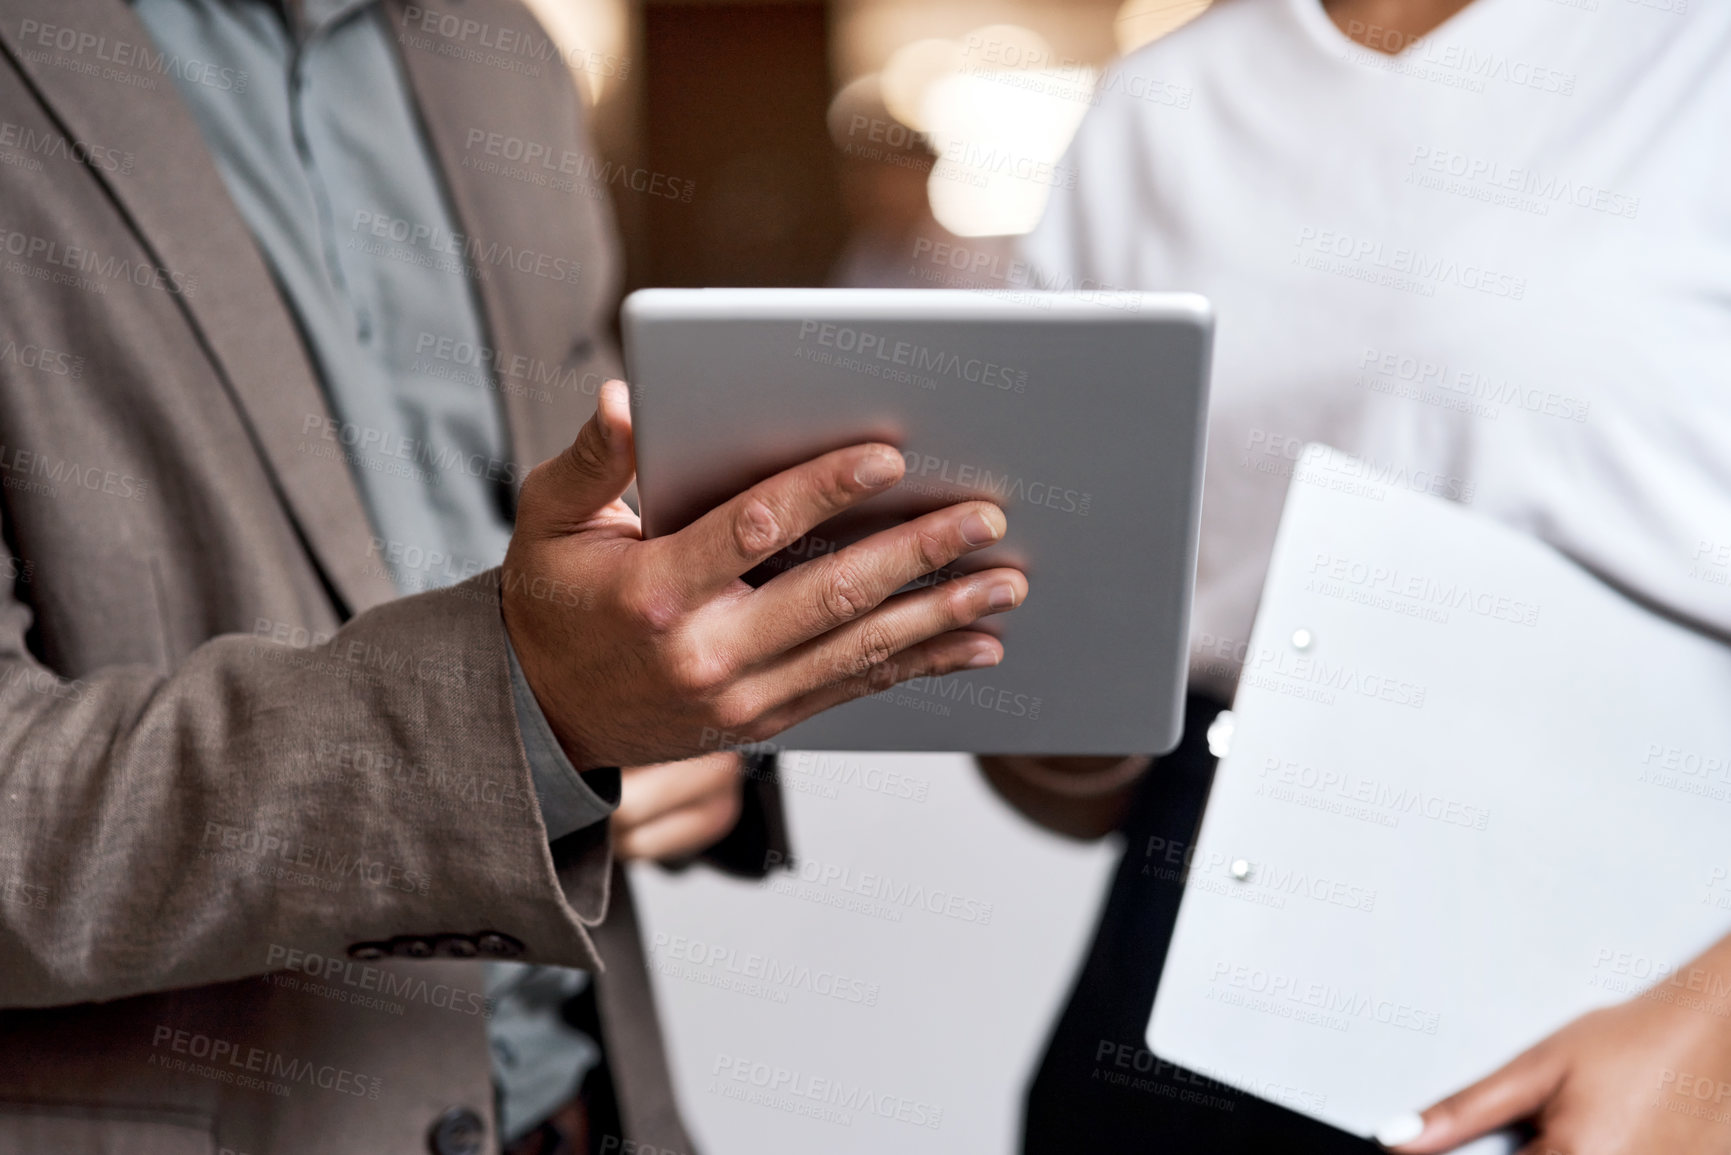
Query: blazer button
[[458, 1131], [496, 945], [368, 951], [456, 946], [411, 948]]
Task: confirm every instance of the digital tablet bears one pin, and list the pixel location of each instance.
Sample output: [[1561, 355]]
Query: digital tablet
[[1081, 415]]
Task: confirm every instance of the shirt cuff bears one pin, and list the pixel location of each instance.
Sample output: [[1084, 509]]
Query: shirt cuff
[[569, 800]]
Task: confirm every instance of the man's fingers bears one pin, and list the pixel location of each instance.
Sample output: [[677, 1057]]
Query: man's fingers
[[855, 649], [1515, 1092], [712, 552], [820, 595], [647, 792], [682, 833], [562, 494], [947, 653]]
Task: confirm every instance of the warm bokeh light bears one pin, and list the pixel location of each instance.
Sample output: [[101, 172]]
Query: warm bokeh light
[[999, 135], [1006, 46], [858, 97], [593, 39], [910, 74], [1142, 22]]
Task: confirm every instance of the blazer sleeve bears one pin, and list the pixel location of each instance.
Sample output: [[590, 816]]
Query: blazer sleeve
[[165, 830]]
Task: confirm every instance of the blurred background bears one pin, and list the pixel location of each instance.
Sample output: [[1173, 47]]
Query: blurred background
[[918, 956], [788, 142]]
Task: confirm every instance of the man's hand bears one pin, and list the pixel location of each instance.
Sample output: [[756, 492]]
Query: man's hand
[[675, 810], [649, 651], [1649, 1077]]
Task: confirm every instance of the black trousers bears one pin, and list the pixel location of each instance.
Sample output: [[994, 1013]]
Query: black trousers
[[1098, 1089]]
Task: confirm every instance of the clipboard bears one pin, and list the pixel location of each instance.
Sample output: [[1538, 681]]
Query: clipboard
[[1472, 793]]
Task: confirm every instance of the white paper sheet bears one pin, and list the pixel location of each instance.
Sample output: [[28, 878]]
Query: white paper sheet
[[1478, 792]]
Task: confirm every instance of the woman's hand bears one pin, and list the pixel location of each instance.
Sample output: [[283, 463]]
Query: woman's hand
[[1649, 1077], [674, 810], [1076, 796]]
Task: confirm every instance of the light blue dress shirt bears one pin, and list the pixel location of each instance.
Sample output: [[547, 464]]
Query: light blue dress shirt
[[321, 143]]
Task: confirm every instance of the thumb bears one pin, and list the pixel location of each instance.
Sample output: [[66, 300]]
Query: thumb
[[1515, 1092], [563, 493]]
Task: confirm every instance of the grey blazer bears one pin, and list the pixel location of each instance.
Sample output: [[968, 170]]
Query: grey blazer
[[258, 817]]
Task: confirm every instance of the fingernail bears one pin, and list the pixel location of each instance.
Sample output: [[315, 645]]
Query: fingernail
[[1401, 1129], [982, 529], [877, 471], [1002, 596], [602, 420], [986, 657]]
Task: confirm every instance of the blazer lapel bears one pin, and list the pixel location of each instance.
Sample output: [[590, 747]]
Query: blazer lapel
[[546, 323], [176, 202]]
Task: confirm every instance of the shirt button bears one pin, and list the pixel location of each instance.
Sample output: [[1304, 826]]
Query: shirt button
[[368, 951], [411, 948], [498, 945], [457, 1132]]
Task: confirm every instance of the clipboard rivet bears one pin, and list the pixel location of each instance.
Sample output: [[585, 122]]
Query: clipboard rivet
[[1220, 734], [1301, 639], [1240, 869]]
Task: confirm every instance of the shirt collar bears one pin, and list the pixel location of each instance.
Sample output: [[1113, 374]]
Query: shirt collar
[[313, 16], [309, 16]]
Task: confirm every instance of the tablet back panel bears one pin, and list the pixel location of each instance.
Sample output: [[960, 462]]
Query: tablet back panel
[[1082, 415]]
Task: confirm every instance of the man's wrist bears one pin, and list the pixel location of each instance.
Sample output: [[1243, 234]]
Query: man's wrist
[[524, 666], [570, 800]]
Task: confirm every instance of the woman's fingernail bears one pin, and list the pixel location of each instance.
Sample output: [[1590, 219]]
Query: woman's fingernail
[[1401, 1129]]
